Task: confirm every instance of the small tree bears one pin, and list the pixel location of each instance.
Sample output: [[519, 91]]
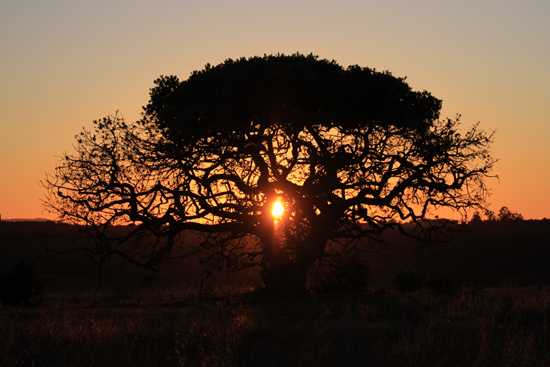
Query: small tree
[[490, 215], [506, 215], [476, 218], [345, 152]]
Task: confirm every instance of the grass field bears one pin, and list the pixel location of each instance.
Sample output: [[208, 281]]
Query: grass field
[[497, 316], [486, 327]]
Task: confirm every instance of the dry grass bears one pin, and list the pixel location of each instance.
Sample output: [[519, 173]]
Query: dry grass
[[483, 328]]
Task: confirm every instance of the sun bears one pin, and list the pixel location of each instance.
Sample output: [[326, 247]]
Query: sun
[[277, 210]]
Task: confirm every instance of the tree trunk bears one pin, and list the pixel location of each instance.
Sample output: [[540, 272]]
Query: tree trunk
[[287, 260], [284, 271]]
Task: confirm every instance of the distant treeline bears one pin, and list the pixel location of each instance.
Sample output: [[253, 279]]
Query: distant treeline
[[505, 250]]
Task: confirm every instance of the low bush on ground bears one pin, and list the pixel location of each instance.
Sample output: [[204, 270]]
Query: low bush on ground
[[20, 286]]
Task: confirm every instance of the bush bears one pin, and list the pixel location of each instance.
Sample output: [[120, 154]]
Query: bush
[[444, 286], [20, 286], [408, 281], [343, 273]]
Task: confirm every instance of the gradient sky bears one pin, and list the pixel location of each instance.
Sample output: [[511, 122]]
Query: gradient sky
[[65, 63]]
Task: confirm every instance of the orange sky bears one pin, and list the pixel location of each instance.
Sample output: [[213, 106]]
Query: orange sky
[[69, 62]]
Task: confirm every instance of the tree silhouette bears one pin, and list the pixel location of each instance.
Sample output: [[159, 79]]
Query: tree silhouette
[[506, 215], [349, 151]]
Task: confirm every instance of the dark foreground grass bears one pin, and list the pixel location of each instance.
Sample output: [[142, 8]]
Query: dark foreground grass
[[483, 328]]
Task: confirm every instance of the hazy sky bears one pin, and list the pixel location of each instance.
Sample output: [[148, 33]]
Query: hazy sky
[[65, 63]]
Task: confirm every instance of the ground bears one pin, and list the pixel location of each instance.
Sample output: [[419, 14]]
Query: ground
[[476, 327], [496, 313]]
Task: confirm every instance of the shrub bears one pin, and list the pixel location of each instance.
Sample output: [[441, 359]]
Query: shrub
[[444, 286], [342, 273], [408, 281], [20, 286]]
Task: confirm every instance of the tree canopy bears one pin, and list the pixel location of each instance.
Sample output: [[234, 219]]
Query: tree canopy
[[350, 151], [294, 91]]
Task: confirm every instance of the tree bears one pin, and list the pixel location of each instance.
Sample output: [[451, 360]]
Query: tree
[[349, 152], [506, 215], [476, 218]]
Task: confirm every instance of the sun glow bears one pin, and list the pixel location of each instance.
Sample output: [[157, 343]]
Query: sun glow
[[277, 210]]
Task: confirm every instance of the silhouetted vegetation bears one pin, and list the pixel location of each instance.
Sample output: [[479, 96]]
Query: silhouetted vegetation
[[444, 286], [409, 281], [184, 263], [483, 301], [351, 152], [20, 286], [488, 328], [347, 272], [484, 254], [505, 215]]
